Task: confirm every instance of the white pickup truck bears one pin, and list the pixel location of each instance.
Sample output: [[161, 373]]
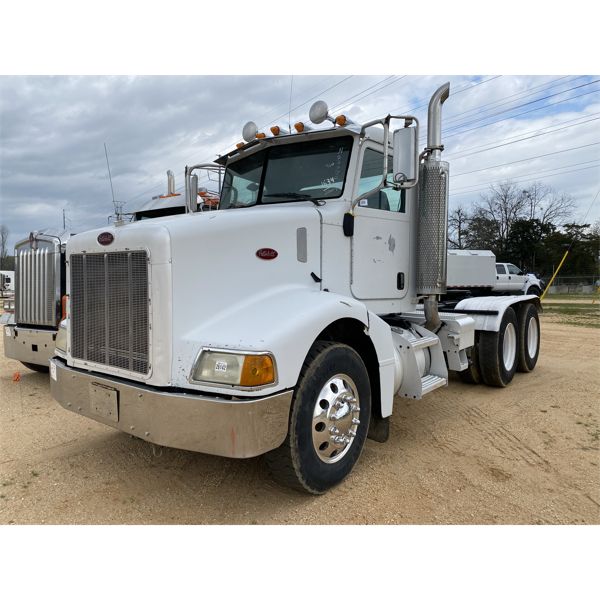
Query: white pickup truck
[[477, 272], [510, 278]]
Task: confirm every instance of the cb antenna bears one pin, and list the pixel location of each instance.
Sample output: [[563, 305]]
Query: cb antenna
[[116, 205]]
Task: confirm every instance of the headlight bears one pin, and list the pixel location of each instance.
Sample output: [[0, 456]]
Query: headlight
[[61, 337], [245, 370]]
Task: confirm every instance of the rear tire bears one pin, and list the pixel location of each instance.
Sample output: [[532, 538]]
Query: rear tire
[[333, 383], [38, 368], [498, 351], [529, 337]]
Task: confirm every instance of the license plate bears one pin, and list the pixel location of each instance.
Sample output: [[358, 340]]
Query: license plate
[[104, 402]]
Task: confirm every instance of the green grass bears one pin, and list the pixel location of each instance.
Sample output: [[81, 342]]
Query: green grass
[[589, 297], [570, 313]]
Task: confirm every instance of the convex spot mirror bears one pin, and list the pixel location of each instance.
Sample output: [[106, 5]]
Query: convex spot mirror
[[405, 158]]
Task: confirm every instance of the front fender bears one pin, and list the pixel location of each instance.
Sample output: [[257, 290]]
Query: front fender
[[284, 321], [497, 304]]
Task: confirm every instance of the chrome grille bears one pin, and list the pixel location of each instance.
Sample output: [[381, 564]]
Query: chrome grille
[[37, 284], [109, 309]]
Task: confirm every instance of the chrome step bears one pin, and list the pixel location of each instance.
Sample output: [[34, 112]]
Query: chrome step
[[425, 341], [432, 382]]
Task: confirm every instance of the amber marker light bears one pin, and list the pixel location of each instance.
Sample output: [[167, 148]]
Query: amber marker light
[[257, 370], [240, 145], [261, 136], [63, 304], [299, 126], [341, 120]]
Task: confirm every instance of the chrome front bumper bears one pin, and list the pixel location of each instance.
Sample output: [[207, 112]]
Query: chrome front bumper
[[233, 428], [29, 345]]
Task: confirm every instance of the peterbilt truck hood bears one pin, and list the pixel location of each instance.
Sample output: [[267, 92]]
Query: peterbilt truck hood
[[206, 266]]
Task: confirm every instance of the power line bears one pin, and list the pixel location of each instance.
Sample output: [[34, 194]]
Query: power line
[[514, 162], [515, 141], [446, 136], [455, 127], [519, 179], [507, 99]]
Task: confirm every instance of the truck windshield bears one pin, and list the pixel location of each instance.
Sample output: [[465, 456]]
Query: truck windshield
[[314, 170]]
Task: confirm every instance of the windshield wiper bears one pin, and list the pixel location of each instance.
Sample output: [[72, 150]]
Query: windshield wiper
[[294, 195]]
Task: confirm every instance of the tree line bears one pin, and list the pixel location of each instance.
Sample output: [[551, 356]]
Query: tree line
[[531, 227]]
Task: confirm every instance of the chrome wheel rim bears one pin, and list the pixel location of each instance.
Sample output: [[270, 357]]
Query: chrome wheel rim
[[509, 348], [335, 418], [533, 334]]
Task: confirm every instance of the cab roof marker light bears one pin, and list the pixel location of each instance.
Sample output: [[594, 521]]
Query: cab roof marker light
[[261, 136], [301, 127], [343, 121], [240, 145], [276, 130]]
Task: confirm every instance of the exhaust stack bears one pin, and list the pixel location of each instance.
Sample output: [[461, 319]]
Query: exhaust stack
[[170, 183], [433, 214]]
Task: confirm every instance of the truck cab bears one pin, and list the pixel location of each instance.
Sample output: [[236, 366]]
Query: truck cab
[[511, 279], [287, 321]]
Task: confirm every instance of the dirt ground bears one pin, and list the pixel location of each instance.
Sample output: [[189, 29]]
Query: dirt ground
[[464, 454]]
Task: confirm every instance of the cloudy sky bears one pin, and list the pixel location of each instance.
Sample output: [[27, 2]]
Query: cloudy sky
[[53, 131]]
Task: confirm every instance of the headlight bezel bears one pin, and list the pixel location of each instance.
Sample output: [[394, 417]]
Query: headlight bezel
[[207, 350]]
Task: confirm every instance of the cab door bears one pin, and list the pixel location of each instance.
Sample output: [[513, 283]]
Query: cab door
[[381, 241], [516, 278]]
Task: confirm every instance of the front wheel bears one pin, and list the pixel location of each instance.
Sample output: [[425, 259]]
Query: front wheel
[[498, 351], [534, 289], [329, 420]]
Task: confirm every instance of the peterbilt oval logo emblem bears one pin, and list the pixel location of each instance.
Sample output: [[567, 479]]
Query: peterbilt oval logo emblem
[[266, 253], [106, 238]]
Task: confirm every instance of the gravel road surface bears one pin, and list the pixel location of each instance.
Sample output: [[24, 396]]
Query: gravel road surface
[[464, 454]]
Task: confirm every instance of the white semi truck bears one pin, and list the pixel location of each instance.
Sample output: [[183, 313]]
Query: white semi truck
[[286, 322], [40, 276], [32, 318]]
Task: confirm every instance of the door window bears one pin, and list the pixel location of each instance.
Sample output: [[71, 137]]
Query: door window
[[500, 270], [370, 177], [514, 270]]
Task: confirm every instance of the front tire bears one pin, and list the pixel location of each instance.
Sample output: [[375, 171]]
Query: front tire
[[498, 351], [329, 420], [529, 337], [534, 289]]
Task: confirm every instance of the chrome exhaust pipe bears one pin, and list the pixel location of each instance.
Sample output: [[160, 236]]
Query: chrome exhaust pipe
[[434, 120], [170, 183], [433, 214]]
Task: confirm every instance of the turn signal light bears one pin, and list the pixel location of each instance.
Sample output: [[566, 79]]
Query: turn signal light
[[275, 130], [299, 127], [257, 370], [341, 120], [240, 145], [261, 136]]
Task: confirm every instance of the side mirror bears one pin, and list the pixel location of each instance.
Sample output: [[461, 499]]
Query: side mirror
[[405, 156]]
